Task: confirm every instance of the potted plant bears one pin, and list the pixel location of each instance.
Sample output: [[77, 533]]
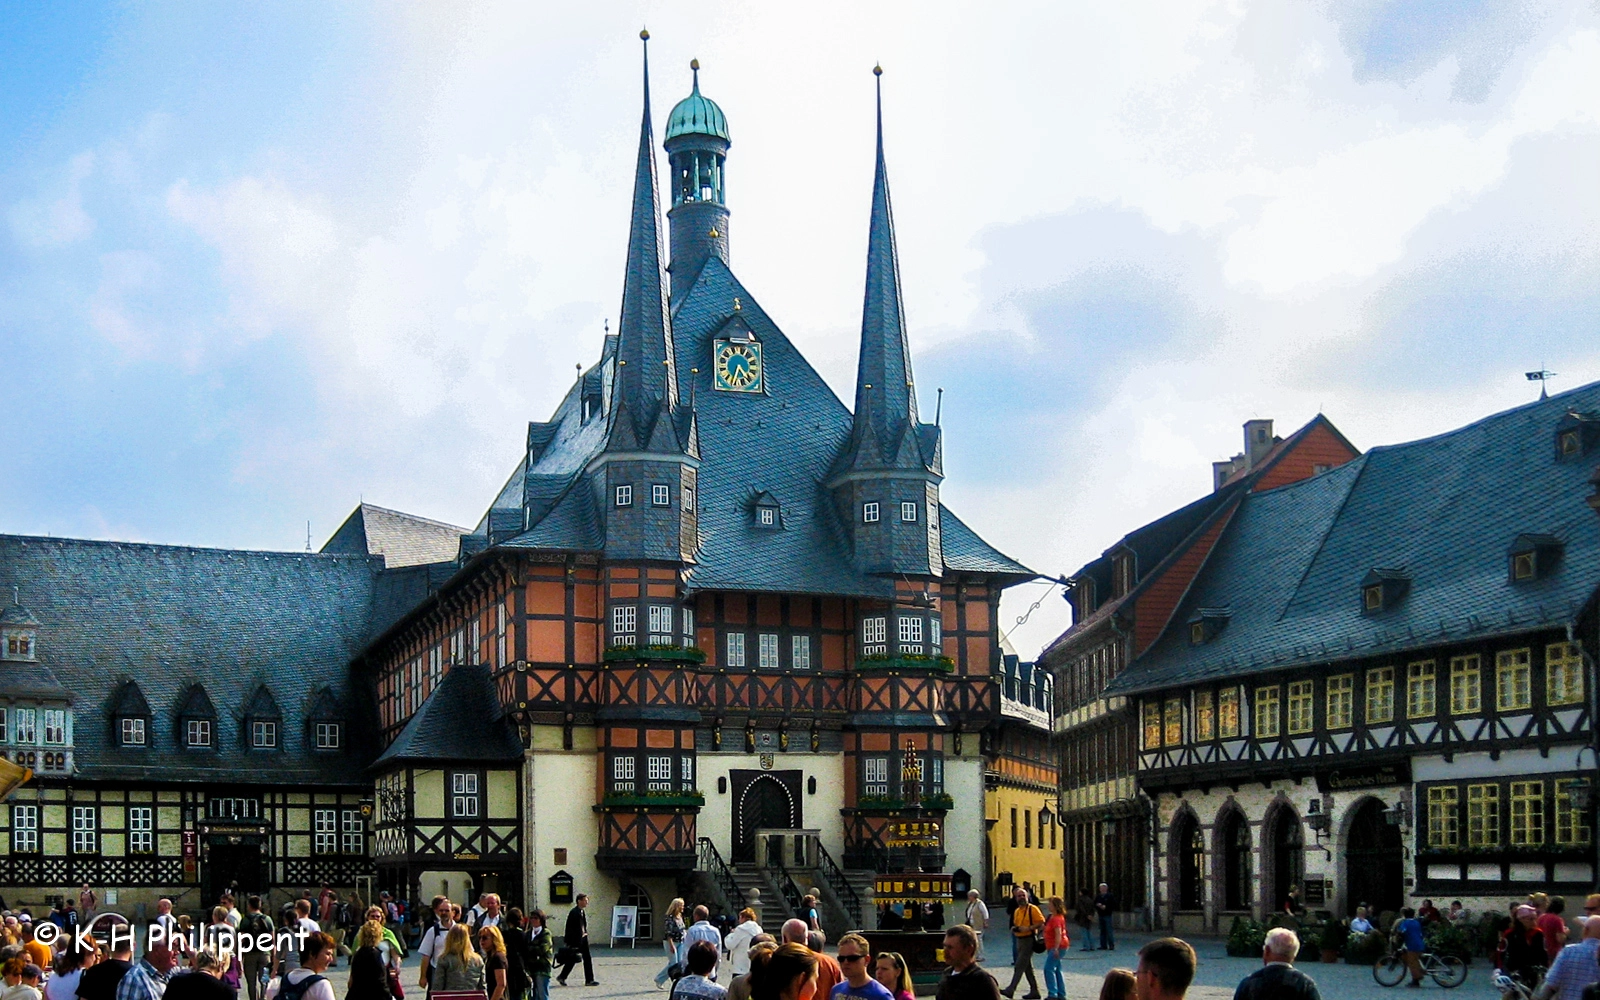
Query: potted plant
[[1334, 935]]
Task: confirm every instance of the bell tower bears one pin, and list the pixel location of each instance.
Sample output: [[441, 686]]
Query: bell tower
[[697, 153]]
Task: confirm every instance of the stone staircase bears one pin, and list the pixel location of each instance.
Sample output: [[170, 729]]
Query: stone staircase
[[771, 912]]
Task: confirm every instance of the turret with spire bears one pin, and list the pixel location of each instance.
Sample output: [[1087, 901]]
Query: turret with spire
[[886, 478], [697, 152], [652, 440]]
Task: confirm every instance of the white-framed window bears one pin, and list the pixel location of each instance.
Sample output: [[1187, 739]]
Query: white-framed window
[[500, 634], [55, 726], [933, 517], [766, 515], [24, 726], [263, 735], [908, 512], [197, 732], [686, 772], [660, 616], [353, 832], [688, 626], [875, 776], [800, 652], [869, 513], [660, 495], [141, 830], [464, 794], [624, 625], [325, 831], [874, 635], [935, 634], [233, 808], [622, 773], [767, 651], [25, 828], [328, 735], [85, 839], [624, 496], [687, 493], [910, 628], [735, 649], [658, 771], [435, 668]]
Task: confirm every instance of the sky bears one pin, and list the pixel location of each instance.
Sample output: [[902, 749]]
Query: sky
[[259, 263]]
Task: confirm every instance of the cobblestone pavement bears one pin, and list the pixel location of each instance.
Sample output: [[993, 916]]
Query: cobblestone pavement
[[625, 973]]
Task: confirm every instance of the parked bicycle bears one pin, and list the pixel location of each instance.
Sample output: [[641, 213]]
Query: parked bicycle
[[1513, 987], [1446, 970]]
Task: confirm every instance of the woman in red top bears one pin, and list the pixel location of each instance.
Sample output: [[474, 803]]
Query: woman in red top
[[1056, 944], [1554, 926]]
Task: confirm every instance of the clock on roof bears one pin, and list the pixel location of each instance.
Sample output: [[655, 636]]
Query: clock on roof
[[737, 366]]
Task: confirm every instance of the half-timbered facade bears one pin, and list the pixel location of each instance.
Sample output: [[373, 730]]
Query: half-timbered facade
[[1121, 603], [1379, 687]]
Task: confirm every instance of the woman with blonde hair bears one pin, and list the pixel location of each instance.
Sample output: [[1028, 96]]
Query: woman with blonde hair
[[1119, 984], [493, 945], [672, 929], [459, 968], [890, 970], [369, 972]]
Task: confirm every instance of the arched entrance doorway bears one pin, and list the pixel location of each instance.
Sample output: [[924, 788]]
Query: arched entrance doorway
[[1233, 842], [1189, 849], [1375, 855], [765, 803], [1285, 856], [634, 895]]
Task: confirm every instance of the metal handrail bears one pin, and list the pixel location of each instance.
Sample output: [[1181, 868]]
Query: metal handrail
[[835, 877], [711, 861], [791, 891]]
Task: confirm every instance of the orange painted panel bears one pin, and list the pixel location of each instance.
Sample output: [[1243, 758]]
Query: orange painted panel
[[833, 652], [1319, 447], [1161, 595], [768, 610], [624, 737], [586, 601], [875, 741], [977, 614], [735, 609], [832, 613], [666, 590], [706, 608], [661, 739], [977, 655], [706, 639], [800, 613], [547, 642], [663, 574], [624, 590], [585, 642], [547, 598]]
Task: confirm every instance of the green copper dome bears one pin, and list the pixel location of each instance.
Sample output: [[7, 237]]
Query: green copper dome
[[697, 115]]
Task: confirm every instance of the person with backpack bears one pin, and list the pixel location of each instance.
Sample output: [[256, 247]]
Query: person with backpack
[[254, 961], [308, 982], [540, 954]]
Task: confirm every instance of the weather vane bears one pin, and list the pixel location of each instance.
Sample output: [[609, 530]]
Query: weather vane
[[1543, 377]]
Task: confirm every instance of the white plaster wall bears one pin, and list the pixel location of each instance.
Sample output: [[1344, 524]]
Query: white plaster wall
[[563, 784], [1478, 764], [820, 811], [964, 830]]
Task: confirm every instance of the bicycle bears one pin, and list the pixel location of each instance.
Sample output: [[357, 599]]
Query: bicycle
[[1512, 987], [1446, 970]]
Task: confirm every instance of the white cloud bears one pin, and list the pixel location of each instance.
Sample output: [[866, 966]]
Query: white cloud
[[58, 218]]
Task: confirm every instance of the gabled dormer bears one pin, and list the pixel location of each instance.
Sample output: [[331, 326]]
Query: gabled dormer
[[197, 720], [19, 632], [766, 512], [263, 721], [130, 717], [1533, 557], [1577, 434], [1383, 589], [325, 723]]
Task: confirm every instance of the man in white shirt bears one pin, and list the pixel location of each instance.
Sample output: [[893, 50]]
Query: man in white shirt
[[701, 930], [491, 915], [977, 918], [432, 946], [293, 937]]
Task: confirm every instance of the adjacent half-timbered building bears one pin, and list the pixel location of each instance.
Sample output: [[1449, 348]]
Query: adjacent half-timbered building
[[1380, 684], [1121, 603]]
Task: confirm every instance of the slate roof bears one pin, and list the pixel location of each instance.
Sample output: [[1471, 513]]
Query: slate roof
[[401, 539], [460, 722], [170, 618], [1444, 509]]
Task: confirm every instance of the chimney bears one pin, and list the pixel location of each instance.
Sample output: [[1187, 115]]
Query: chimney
[[1258, 440], [1221, 472]]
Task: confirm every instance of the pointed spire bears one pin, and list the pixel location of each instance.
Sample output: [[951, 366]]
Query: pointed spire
[[646, 378], [885, 393]]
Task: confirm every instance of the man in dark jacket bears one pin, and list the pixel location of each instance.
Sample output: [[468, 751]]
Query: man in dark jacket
[[1278, 979], [577, 943]]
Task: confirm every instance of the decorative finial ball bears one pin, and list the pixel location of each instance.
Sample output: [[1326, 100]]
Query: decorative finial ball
[[644, 34], [694, 64], [877, 70]]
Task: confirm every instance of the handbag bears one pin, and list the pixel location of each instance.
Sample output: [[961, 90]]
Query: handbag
[[1038, 943]]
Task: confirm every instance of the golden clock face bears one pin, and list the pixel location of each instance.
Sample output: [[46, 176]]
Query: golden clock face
[[738, 366]]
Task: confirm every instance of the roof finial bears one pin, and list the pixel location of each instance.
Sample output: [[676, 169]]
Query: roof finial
[[694, 65], [877, 72], [644, 37]]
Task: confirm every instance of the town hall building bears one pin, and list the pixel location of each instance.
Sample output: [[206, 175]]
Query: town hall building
[[714, 617]]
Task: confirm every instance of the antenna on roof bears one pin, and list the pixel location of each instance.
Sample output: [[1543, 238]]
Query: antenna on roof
[[308, 535], [1542, 377], [938, 407]]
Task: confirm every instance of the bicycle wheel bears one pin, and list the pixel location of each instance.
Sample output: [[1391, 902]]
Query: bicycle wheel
[[1448, 971], [1389, 970]]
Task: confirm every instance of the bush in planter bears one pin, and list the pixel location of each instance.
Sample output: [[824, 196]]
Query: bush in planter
[[1334, 935], [1443, 938], [1310, 946], [1246, 938], [1364, 949]]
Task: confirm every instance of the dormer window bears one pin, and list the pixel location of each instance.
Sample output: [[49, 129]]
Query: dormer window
[[766, 510], [329, 735], [197, 733], [1207, 624], [262, 720], [1533, 557], [264, 735], [1576, 435], [326, 723], [197, 720], [18, 630], [1121, 573], [1382, 589]]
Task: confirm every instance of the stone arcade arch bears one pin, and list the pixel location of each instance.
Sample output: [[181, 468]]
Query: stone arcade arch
[[1283, 854], [1187, 853], [1233, 866], [1374, 859]]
